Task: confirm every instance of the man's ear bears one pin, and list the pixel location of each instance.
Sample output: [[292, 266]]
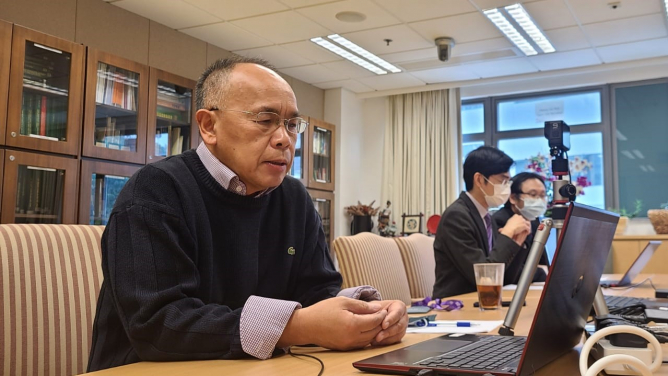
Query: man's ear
[[206, 123]]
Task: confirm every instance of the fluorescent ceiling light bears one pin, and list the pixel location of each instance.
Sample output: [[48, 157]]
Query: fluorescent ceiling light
[[643, 168], [524, 20], [509, 30], [649, 167], [364, 53], [516, 24], [356, 54], [638, 154], [620, 136], [628, 154]]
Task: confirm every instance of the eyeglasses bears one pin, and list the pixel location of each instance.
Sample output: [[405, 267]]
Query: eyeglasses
[[269, 121], [535, 195]]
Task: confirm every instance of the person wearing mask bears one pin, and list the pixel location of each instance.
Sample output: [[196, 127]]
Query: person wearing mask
[[528, 198], [466, 234]]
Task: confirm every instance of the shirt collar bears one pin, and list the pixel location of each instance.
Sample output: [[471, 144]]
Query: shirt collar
[[481, 209], [223, 174]]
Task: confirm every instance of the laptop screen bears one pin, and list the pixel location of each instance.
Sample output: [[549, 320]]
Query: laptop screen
[[571, 285]]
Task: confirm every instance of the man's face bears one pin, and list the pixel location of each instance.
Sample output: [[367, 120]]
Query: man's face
[[533, 188], [261, 156], [485, 185]]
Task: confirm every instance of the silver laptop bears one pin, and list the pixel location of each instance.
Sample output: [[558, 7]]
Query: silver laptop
[[636, 267]]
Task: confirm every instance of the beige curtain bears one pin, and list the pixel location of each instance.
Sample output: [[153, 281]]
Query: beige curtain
[[421, 167]]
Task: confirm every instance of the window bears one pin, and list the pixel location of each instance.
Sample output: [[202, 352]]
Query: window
[[640, 113], [533, 112], [519, 131]]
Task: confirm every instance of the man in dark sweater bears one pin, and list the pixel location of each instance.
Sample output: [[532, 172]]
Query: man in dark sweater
[[528, 198], [216, 254], [466, 234]]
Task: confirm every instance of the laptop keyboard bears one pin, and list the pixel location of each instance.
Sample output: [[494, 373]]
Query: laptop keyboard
[[621, 301], [488, 353]]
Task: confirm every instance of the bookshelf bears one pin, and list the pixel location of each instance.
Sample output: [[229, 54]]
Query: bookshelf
[[2, 169], [5, 53], [324, 205], [321, 155], [171, 115], [115, 108], [45, 93], [100, 184], [299, 168], [39, 188]]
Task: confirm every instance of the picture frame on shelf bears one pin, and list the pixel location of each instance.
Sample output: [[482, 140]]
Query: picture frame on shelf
[[411, 223]]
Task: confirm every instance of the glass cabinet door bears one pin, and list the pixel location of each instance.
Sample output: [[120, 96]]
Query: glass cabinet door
[[324, 205], [174, 128], [299, 168], [101, 182], [115, 124], [5, 53], [321, 162], [39, 188], [45, 92]]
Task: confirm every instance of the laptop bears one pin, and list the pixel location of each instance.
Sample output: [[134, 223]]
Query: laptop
[[557, 326], [636, 267]]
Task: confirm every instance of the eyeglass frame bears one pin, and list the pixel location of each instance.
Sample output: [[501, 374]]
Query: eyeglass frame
[[286, 122], [534, 196]]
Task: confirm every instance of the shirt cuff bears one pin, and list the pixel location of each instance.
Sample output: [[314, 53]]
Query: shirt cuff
[[366, 293], [262, 323]]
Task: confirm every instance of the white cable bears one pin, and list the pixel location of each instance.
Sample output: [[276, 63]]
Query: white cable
[[632, 361]]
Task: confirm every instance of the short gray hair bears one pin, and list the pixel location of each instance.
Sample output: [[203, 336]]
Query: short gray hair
[[212, 83]]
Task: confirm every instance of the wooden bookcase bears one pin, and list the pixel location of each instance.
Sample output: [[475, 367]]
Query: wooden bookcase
[[324, 204], [2, 169], [172, 127], [321, 155], [45, 93], [99, 188], [115, 108], [5, 55], [39, 188], [299, 169]]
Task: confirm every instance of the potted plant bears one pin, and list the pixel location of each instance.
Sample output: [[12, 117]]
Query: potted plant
[[625, 215], [659, 218]]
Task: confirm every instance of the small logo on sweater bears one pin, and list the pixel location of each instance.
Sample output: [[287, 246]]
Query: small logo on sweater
[[291, 251]]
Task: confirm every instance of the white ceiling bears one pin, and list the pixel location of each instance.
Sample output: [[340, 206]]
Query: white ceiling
[[584, 32]]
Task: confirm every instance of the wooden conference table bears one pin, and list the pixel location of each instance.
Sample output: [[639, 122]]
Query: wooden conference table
[[340, 363]]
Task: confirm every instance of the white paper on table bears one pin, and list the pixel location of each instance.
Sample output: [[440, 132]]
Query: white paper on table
[[477, 326], [533, 286]]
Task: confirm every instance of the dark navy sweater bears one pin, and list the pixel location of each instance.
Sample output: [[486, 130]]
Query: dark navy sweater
[[181, 255]]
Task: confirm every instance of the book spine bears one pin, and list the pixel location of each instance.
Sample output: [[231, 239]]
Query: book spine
[[42, 116]]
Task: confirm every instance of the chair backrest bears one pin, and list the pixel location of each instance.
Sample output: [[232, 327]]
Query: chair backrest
[[369, 259], [417, 253], [50, 277]]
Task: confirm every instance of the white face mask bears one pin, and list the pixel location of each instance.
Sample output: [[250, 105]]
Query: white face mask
[[533, 208], [500, 196]]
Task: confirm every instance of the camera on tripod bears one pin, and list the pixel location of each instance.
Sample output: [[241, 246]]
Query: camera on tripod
[[558, 136]]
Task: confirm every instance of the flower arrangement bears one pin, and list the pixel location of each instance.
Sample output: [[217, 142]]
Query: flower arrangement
[[361, 209], [579, 167]]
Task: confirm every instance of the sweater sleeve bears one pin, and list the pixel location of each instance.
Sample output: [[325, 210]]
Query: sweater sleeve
[[149, 263]]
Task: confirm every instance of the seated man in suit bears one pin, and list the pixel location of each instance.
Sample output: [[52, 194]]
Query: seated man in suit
[[528, 199], [466, 234]]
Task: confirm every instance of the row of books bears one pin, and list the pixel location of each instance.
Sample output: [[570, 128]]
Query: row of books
[[116, 87], [321, 174], [104, 192], [169, 98], [172, 115], [170, 140], [39, 192], [321, 143], [108, 135], [51, 72], [44, 116]]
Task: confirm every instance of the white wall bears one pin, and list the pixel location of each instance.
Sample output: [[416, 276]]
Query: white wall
[[359, 151]]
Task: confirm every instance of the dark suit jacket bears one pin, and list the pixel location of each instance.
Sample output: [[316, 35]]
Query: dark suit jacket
[[501, 217], [461, 241]]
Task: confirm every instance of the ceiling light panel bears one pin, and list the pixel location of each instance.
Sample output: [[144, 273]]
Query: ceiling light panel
[[322, 42], [516, 24], [364, 53], [520, 15], [502, 23]]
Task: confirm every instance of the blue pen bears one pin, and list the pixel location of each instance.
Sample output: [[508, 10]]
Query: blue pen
[[425, 322]]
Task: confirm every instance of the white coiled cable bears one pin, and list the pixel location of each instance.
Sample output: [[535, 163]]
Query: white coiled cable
[[629, 360]]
